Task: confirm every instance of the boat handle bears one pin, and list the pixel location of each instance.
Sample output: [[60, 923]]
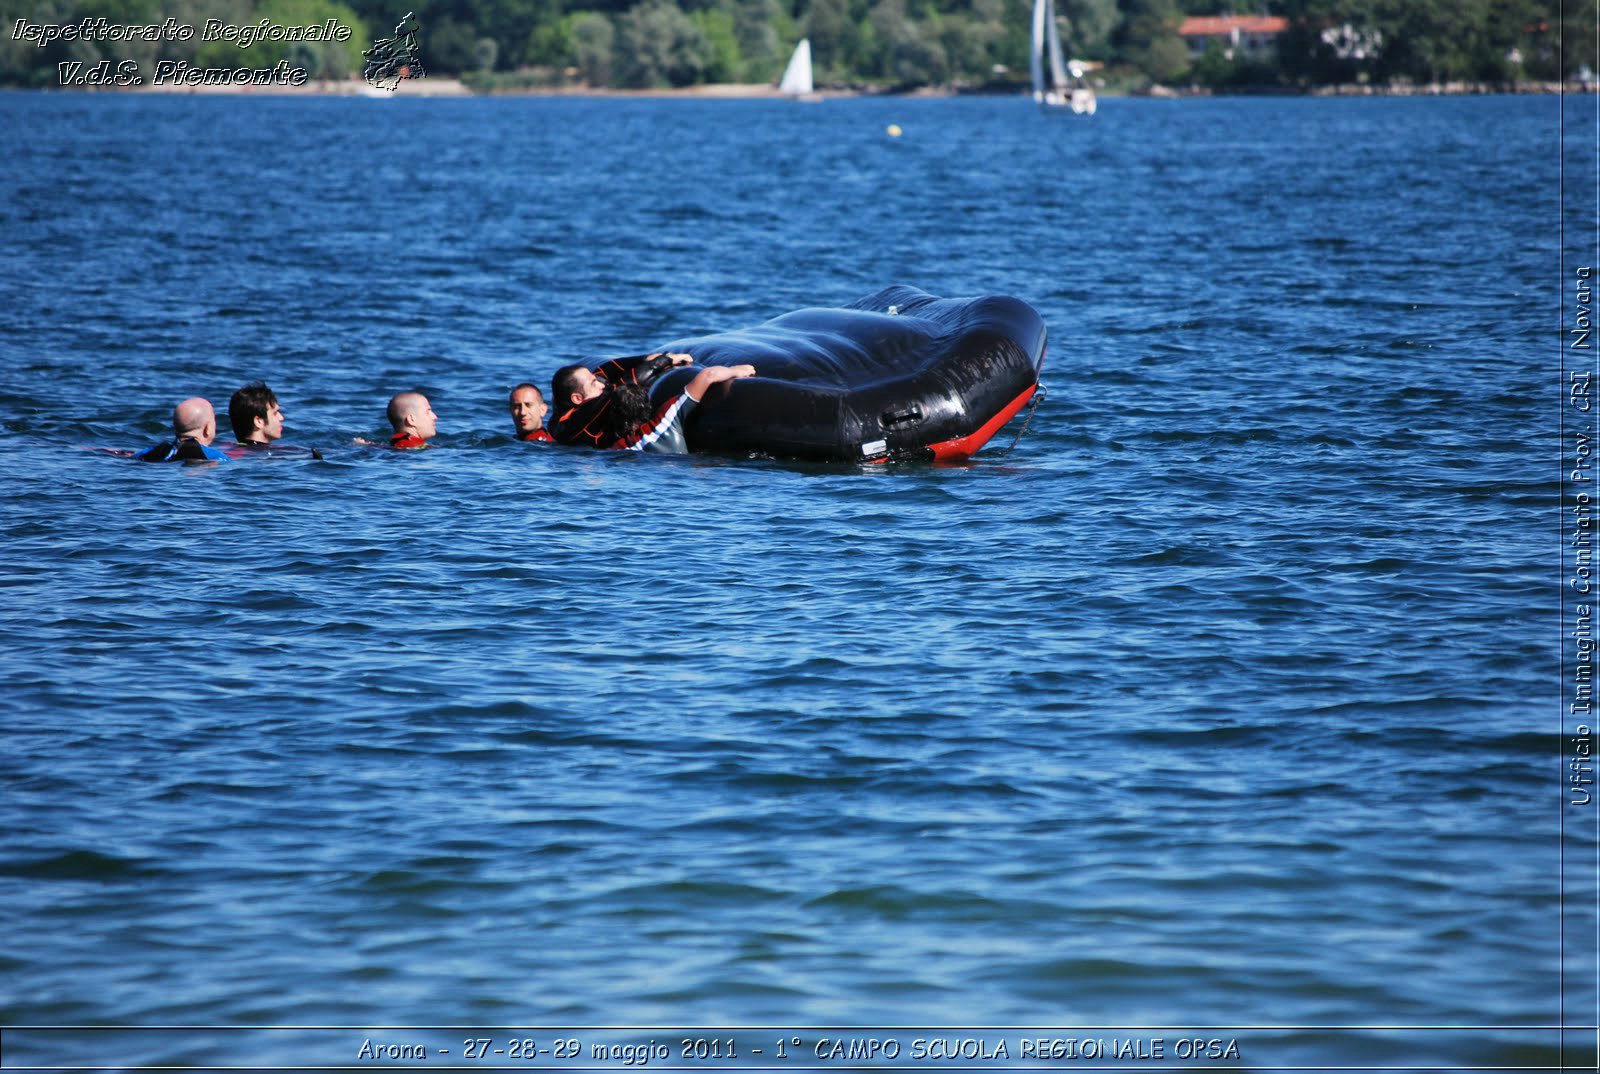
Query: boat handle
[[900, 417]]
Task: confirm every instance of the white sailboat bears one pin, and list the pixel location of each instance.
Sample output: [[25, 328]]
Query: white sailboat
[[796, 82], [1066, 86]]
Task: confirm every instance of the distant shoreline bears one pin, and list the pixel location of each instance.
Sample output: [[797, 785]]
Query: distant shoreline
[[434, 87], [1430, 89]]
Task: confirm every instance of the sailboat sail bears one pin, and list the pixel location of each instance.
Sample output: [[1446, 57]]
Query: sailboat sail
[[797, 76], [1056, 82], [1058, 63], [1036, 53]]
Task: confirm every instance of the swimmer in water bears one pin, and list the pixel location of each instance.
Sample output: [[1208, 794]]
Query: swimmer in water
[[413, 420], [610, 407], [527, 413], [258, 421], [194, 426], [256, 416]]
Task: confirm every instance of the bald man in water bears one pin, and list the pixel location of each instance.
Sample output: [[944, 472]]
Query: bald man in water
[[194, 426], [413, 420]]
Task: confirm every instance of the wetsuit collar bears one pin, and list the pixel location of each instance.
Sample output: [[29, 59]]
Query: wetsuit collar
[[592, 423]]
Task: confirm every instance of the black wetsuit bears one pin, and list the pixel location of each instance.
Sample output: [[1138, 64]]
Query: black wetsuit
[[600, 423], [183, 449]]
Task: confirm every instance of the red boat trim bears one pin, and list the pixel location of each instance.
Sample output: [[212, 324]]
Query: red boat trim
[[962, 446]]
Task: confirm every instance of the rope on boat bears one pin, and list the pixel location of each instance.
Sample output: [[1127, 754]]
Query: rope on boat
[[1039, 393]]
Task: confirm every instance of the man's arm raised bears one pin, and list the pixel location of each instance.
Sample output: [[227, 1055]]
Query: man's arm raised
[[716, 374]]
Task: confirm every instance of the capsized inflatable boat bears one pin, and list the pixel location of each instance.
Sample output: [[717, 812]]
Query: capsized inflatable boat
[[897, 374]]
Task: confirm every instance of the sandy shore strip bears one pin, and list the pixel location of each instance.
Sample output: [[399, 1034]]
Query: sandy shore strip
[[352, 87], [453, 87]]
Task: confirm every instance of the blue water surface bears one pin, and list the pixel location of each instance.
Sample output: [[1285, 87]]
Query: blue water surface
[[1228, 698]]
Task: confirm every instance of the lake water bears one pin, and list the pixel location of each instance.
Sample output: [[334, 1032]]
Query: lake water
[[1229, 702]]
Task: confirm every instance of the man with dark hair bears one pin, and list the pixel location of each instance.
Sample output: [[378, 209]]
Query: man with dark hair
[[610, 407], [258, 424], [256, 416], [194, 426], [527, 413]]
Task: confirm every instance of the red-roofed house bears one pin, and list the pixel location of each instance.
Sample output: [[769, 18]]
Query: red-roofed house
[[1251, 36]]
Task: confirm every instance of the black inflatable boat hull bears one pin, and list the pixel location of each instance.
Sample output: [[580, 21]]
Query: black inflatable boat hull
[[897, 374]]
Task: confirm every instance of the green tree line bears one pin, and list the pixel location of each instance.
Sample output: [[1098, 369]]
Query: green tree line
[[887, 43]]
